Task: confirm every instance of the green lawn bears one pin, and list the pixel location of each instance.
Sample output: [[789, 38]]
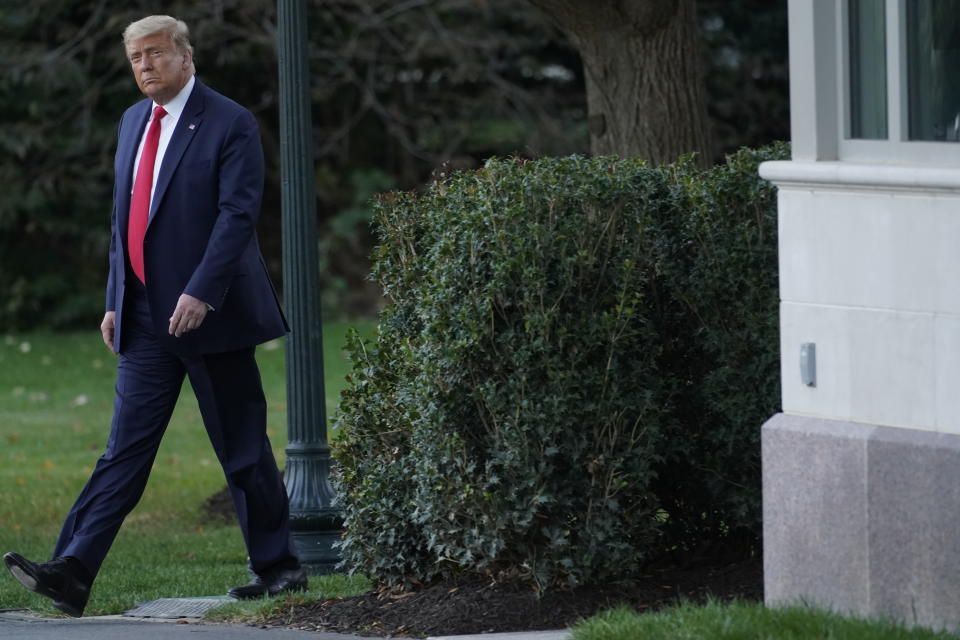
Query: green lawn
[[742, 621], [55, 405], [56, 395]]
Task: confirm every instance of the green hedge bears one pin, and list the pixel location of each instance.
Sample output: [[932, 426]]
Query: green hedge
[[720, 326], [570, 374]]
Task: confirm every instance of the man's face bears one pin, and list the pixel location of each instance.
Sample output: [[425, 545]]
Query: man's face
[[160, 70]]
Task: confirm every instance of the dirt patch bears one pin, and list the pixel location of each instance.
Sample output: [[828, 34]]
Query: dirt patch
[[478, 605], [218, 507]]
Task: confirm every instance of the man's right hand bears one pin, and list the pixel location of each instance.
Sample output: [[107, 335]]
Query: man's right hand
[[107, 328]]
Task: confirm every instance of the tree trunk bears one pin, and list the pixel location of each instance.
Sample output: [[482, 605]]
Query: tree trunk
[[644, 77]]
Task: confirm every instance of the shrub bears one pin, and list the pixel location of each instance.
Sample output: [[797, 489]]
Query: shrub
[[540, 363], [720, 330]]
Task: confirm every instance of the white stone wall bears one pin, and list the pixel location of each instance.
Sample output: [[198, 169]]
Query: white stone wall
[[870, 273], [861, 473]]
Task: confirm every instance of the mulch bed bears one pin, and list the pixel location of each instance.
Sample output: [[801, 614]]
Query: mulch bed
[[478, 605]]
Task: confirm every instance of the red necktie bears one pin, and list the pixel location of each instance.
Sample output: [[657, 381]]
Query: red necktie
[[140, 202]]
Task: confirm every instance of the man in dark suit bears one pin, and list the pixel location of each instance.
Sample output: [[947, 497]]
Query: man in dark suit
[[187, 295]]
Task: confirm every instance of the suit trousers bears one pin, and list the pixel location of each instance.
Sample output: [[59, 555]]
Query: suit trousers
[[231, 400]]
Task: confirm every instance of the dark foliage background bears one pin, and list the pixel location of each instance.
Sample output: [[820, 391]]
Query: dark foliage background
[[400, 90]]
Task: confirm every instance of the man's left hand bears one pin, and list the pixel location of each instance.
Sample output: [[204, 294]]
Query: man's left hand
[[188, 315]]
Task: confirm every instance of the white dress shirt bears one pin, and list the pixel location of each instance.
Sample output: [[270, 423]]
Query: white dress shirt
[[169, 122]]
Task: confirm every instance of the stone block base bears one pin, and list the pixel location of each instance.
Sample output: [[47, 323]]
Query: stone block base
[[862, 519]]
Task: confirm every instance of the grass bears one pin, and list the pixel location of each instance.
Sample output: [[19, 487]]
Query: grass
[[742, 621], [56, 394], [56, 397], [322, 588]]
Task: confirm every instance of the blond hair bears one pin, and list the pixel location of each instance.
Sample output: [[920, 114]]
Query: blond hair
[[176, 29]]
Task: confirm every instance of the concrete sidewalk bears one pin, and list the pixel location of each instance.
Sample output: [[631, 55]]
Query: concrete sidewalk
[[21, 626], [520, 635]]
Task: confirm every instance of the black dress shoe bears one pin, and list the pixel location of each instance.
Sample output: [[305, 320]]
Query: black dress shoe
[[53, 579], [271, 584]]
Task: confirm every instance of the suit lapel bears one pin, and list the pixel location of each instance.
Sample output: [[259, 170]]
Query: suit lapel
[[187, 126], [130, 134]]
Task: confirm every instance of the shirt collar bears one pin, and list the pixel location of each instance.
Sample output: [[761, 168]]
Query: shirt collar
[[175, 107]]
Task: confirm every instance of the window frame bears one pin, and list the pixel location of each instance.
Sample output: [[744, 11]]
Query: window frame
[[897, 148]]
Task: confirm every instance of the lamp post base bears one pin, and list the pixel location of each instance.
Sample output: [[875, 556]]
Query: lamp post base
[[316, 552], [314, 537]]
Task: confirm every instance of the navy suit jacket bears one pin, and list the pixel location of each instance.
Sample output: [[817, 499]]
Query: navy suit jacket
[[201, 235]]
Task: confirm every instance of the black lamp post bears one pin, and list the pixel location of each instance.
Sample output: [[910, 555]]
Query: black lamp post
[[314, 522]]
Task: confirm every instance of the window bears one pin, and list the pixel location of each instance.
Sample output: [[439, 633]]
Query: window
[[898, 90], [933, 69], [868, 69]]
